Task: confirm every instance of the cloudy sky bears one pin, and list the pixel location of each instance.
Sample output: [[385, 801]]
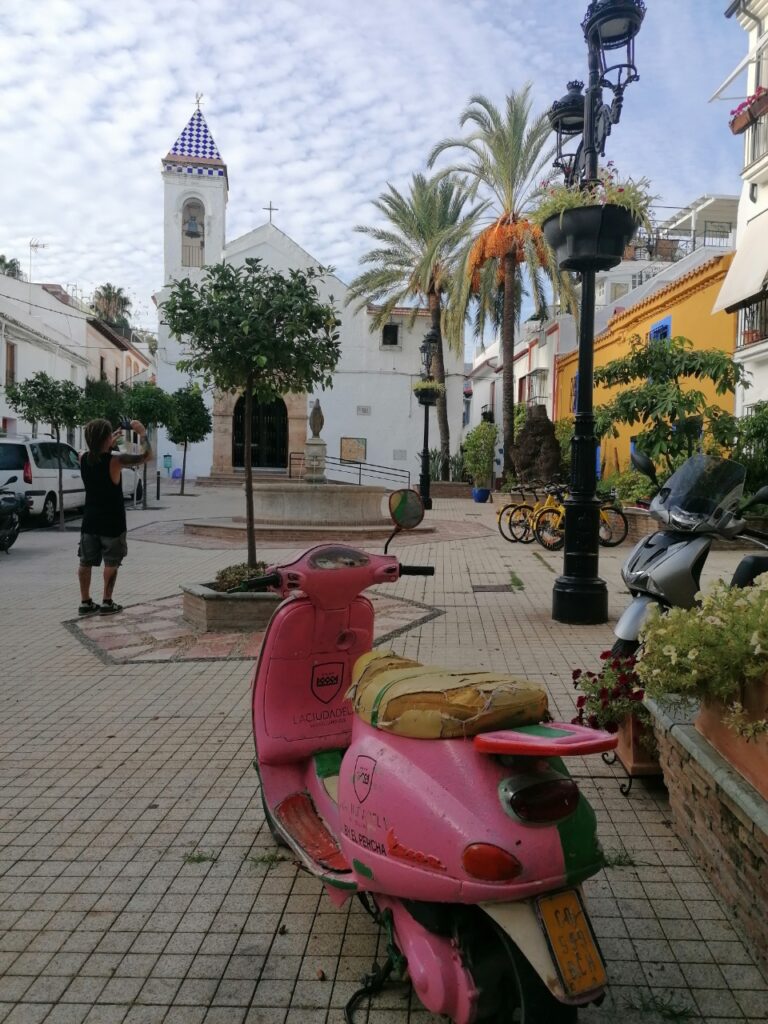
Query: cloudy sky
[[314, 107]]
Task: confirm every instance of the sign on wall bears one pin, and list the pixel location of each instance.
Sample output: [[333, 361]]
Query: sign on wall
[[353, 449]]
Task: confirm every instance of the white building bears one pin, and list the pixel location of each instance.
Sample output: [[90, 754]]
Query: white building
[[37, 333], [371, 414], [745, 289]]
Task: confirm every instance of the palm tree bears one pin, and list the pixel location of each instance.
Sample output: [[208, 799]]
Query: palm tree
[[10, 267], [416, 257], [505, 156], [112, 304]]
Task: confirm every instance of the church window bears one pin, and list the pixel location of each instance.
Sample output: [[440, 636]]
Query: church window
[[192, 234], [390, 334]]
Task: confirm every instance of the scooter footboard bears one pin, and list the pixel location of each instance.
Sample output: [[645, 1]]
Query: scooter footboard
[[554, 934]]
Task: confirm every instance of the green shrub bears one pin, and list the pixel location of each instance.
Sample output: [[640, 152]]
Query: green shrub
[[234, 575]]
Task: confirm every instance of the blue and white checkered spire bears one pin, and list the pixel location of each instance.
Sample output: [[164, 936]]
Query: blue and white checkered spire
[[196, 140]]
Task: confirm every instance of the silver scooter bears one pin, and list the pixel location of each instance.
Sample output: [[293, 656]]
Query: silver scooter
[[700, 501]]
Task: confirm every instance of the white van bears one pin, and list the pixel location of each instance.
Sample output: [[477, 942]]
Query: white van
[[34, 463]]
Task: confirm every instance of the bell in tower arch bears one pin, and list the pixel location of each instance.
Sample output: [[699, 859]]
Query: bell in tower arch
[[192, 233]]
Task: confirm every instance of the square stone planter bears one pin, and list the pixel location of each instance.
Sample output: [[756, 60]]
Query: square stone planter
[[721, 819], [212, 611]]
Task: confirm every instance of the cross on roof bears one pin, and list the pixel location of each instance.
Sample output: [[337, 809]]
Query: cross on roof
[[198, 99], [272, 209]]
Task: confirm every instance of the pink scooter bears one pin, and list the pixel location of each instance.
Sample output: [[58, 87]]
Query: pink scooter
[[469, 850]]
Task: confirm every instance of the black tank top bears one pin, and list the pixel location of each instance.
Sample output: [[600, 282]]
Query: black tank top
[[104, 505]]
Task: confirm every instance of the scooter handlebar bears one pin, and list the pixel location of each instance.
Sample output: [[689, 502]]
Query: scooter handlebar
[[417, 570]]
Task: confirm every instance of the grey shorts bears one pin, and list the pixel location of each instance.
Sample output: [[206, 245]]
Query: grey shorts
[[92, 548]]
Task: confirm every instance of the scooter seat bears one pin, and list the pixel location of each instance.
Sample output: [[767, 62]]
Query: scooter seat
[[424, 702]]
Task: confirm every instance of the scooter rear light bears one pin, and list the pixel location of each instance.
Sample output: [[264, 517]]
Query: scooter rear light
[[490, 863], [545, 801], [27, 474]]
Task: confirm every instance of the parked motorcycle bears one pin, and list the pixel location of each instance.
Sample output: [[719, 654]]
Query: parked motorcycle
[[700, 501], [435, 796], [11, 507]]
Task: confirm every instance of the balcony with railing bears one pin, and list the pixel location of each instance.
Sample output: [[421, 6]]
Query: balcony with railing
[[756, 155], [753, 323]]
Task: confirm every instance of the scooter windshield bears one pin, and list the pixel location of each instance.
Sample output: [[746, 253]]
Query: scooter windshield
[[702, 488]]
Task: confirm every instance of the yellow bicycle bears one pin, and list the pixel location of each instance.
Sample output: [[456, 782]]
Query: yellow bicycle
[[516, 520], [549, 525]]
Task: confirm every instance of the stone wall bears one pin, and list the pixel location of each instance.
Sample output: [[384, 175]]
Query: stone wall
[[722, 821]]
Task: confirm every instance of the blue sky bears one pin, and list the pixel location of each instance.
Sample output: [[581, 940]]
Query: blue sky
[[314, 107]]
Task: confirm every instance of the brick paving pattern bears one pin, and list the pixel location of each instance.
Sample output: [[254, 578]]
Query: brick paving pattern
[[138, 882]]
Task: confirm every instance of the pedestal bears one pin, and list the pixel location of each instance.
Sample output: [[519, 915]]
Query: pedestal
[[314, 461]]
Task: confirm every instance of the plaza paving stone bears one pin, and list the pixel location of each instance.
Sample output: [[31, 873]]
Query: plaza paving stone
[[137, 878]]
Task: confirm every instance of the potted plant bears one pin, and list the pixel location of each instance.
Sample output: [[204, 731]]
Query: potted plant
[[428, 390], [479, 453], [589, 226], [612, 700], [717, 653], [223, 605], [749, 110]]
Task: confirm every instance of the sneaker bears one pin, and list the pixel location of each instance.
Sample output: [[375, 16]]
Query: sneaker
[[110, 608], [88, 607]]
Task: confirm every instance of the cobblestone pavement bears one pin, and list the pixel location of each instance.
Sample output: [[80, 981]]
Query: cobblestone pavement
[[138, 883]]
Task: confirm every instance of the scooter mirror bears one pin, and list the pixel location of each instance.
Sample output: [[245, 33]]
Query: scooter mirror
[[406, 509], [643, 465], [758, 498]]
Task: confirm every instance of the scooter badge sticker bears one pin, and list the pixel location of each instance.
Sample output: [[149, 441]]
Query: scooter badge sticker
[[326, 680], [362, 779]]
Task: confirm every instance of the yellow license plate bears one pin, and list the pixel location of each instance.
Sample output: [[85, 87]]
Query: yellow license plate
[[572, 943]]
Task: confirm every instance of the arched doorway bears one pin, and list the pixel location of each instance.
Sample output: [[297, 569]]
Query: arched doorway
[[269, 434]]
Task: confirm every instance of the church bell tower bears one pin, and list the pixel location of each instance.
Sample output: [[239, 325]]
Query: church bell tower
[[195, 185]]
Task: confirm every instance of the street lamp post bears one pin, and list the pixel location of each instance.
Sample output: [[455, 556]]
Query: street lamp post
[[427, 348], [579, 595]]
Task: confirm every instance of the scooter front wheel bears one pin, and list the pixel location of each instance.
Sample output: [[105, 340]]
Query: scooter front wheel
[[624, 648]]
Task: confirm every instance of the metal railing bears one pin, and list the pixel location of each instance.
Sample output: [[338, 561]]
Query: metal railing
[[757, 141], [350, 471], [753, 323]]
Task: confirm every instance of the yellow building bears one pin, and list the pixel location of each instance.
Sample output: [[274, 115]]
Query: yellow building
[[683, 307]]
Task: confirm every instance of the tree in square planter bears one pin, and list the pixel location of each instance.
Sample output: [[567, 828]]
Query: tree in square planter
[[612, 700], [717, 653], [589, 226], [479, 455]]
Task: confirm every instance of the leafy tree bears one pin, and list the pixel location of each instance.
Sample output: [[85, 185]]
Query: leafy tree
[[41, 399], [10, 267], [505, 154], [416, 255], [480, 452], [751, 447], [102, 401], [657, 381], [190, 421], [564, 434], [150, 405], [255, 329], [536, 453], [112, 304]]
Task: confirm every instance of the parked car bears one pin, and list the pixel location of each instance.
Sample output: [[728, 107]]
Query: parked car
[[34, 461]]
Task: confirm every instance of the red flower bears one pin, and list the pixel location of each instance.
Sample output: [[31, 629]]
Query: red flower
[[624, 678], [576, 674], [605, 656], [616, 692], [581, 701], [611, 727], [592, 722], [603, 695], [637, 695]]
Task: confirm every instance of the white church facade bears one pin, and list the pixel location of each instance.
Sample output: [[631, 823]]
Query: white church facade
[[371, 414]]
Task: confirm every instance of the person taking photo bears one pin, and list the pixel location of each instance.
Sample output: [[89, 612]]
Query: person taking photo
[[103, 533]]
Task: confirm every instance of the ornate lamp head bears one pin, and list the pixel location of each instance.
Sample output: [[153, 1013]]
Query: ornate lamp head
[[428, 348], [612, 25]]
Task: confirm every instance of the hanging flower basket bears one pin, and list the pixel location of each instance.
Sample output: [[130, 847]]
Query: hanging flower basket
[[750, 111], [428, 391], [590, 237]]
